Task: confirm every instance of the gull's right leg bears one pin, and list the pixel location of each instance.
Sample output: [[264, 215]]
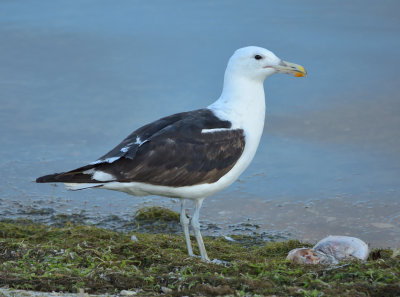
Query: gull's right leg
[[185, 227], [196, 228]]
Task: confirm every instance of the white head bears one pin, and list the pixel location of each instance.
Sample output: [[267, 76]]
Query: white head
[[257, 63]]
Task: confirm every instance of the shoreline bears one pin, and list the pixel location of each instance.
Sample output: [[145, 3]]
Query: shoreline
[[38, 257]]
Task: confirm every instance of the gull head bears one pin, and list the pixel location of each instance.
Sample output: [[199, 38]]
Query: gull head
[[257, 63]]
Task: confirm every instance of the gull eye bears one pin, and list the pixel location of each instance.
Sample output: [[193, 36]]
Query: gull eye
[[258, 57]]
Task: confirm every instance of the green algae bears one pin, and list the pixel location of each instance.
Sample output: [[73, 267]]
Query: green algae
[[67, 258], [156, 213], [155, 219]]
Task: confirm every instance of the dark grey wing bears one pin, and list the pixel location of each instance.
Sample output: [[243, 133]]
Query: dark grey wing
[[179, 161], [128, 147], [172, 151]]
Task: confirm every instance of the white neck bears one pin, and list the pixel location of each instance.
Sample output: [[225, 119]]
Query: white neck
[[242, 102]]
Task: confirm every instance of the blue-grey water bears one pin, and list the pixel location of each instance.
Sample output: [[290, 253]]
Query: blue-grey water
[[76, 77]]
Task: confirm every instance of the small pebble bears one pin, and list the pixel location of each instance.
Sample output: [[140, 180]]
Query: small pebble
[[229, 238], [220, 262], [166, 290], [128, 293], [134, 238]]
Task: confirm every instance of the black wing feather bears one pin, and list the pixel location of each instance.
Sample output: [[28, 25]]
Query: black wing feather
[[173, 152]]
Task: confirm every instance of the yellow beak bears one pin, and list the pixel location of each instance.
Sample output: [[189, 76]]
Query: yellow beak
[[291, 68]]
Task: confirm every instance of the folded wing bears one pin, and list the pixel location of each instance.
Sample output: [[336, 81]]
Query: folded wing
[[184, 149]]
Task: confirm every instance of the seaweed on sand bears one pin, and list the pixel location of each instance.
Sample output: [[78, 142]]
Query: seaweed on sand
[[68, 258]]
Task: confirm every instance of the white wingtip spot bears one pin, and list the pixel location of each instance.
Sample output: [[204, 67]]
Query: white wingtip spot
[[128, 146], [99, 175], [108, 160], [214, 130]]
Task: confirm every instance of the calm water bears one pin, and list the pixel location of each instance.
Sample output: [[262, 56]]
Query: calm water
[[77, 76]]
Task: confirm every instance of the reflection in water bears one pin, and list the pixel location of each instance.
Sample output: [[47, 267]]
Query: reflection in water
[[77, 78]]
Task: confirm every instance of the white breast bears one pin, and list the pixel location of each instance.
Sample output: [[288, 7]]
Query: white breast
[[247, 113]]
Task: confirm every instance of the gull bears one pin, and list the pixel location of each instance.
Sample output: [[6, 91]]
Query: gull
[[194, 154]]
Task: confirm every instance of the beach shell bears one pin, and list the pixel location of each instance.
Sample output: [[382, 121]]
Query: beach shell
[[303, 256], [343, 247], [331, 250]]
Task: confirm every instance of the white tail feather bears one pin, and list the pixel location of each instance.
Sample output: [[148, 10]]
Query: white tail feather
[[79, 186]]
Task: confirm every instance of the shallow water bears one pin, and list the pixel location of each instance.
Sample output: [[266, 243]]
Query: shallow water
[[77, 77]]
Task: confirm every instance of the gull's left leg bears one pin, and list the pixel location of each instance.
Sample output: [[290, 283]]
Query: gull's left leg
[[185, 227], [196, 228]]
